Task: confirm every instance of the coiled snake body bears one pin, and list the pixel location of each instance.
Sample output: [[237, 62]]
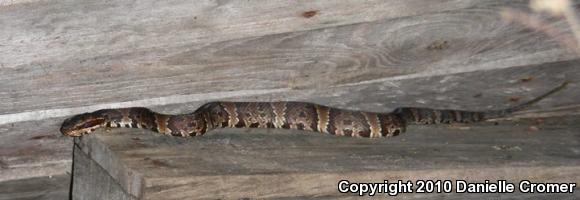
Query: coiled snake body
[[286, 115]]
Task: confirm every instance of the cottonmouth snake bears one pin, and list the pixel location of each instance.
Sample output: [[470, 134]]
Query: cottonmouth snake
[[286, 115]]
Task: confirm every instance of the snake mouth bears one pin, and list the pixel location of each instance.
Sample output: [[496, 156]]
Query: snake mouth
[[78, 132]]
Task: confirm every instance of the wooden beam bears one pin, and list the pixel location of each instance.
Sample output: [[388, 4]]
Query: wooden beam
[[46, 188], [33, 149], [50, 28], [243, 163], [160, 59]]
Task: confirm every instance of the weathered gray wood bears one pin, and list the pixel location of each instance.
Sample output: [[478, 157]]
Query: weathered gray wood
[[91, 182], [127, 26], [111, 62], [52, 27], [45, 188], [33, 149], [234, 163]]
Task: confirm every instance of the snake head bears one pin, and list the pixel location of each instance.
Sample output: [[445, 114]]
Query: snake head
[[393, 125], [82, 124]]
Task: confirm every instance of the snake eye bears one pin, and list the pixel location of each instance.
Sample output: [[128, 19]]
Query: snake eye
[[81, 124], [92, 123]]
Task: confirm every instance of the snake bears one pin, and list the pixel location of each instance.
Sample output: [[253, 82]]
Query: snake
[[293, 115]]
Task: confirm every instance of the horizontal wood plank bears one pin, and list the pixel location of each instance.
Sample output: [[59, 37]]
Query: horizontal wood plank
[[46, 188], [76, 30], [155, 70], [241, 163], [33, 149]]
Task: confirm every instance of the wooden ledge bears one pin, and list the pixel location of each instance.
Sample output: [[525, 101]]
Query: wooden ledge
[[241, 163]]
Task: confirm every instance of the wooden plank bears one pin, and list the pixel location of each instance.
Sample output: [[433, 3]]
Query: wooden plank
[[33, 149], [46, 188], [158, 68], [89, 176], [242, 163], [52, 27]]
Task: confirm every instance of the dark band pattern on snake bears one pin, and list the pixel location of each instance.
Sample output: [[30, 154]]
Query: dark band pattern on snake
[[282, 115]]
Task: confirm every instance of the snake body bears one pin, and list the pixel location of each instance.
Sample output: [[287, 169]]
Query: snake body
[[285, 115]]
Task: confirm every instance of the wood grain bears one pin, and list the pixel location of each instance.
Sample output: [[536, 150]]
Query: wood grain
[[242, 163], [89, 176], [33, 149], [168, 64], [46, 188], [98, 27]]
